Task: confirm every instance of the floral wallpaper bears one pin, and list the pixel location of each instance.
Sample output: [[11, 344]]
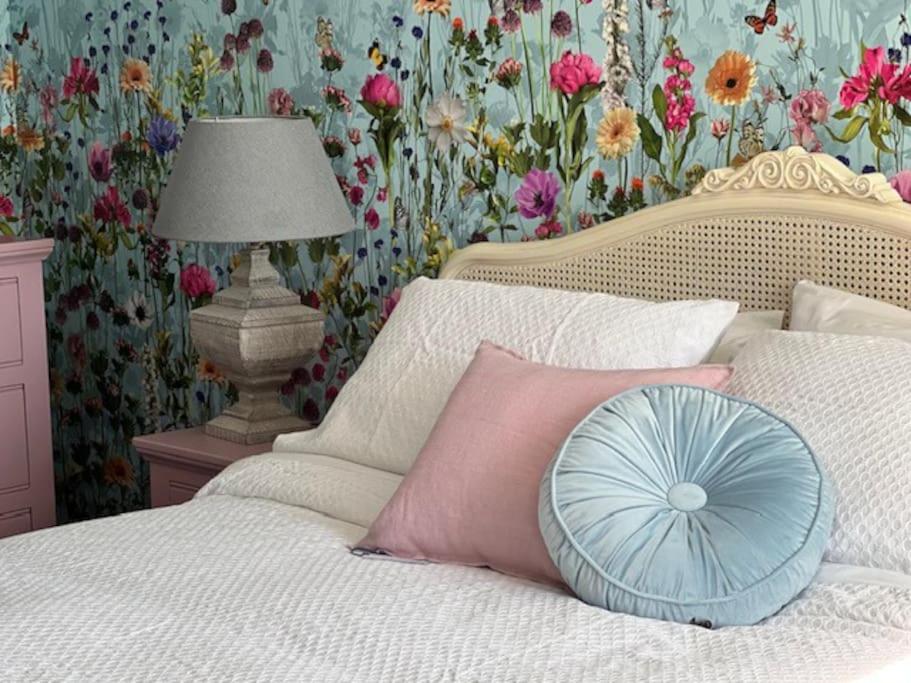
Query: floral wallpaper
[[447, 121]]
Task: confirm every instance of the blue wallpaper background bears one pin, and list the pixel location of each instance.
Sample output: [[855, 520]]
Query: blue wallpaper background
[[440, 150]]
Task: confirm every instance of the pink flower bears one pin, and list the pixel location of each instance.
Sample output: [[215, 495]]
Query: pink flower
[[7, 209], [902, 184], [876, 76], [280, 102], [537, 196], [381, 91], [811, 107], [354, 136], [81, 80], [390, 302], [48, 98], [372, 219], [806, 137], [382, 194], [100, 167], [573, 72], [721, 128], [109, 208], [356, 195], [547, 229], [196, 281]]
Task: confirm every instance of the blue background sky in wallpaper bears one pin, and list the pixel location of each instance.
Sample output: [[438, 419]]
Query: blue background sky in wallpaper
[[458, 138]]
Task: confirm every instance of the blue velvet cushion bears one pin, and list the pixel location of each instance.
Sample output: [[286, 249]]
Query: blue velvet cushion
[[679, 503]]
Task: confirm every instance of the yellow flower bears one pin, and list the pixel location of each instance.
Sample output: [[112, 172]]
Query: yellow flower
[[433, 6], [135, 76], [208, 372], [10, 76], [731, 79], [618, 133], [29, 139], [118, 471]]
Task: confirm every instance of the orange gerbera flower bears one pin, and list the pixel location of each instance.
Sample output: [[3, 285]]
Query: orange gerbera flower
[[118, 471], [135, 76], [10, 76], [207, 371], [8, 131], [29, 139], [731, 79], [433, 6]]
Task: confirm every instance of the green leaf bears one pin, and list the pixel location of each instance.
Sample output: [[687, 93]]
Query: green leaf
[[902, 115], [851, 131], [651, 141], [844, 114], [659, 101], [878, 141]]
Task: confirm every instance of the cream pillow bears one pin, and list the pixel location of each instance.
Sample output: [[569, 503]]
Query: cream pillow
[[824, 309], [745, 325], [850, 398], [386, 411]]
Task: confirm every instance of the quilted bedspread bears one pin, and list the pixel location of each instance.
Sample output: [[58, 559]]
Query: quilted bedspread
[[253, 580]]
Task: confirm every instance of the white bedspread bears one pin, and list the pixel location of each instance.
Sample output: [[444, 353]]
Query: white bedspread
[[250, 582]]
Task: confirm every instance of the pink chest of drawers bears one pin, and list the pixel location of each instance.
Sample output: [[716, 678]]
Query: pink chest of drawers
[[26, 460]]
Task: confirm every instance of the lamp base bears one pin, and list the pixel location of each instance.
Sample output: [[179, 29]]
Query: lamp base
[[238, 430], [256, 332]]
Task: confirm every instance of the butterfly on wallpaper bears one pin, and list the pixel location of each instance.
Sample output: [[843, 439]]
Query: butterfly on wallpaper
[[402, 219], [752, 140], [22, 36], [375, 54], [770, 18], [497, 7], [325, 33]]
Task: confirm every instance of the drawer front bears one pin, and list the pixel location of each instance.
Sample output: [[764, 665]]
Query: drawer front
[[14, 450], [15, 522], [11, 315], [173, 485]]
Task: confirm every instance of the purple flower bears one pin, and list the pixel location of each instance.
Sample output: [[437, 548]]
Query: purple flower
[[532, 6], [561, 25], [162, 135], [100, 167], [264, 61], [538, 193], [229, 6]]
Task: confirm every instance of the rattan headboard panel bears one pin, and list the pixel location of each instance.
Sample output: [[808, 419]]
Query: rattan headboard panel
[[743, 241]]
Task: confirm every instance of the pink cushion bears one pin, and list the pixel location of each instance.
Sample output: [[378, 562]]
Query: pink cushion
[[472, 495]]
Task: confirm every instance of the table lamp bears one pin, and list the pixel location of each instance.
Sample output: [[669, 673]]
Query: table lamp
[[254, 180]]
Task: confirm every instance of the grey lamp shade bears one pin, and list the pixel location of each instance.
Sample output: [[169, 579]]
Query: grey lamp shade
[[251, 179]]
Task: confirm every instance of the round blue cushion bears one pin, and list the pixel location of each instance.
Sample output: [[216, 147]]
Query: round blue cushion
[[679, 503]]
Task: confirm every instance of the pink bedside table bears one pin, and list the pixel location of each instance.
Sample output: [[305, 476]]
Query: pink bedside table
[[182, 462]]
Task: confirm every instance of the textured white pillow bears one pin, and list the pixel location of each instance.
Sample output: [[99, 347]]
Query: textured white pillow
[[850, 397], [743, 328], [824, 309], [386, 411]]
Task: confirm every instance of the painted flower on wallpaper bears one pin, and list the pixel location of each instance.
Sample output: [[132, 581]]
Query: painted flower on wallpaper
[[196, 281], [381, 91], [680, 105], [207, 371], [81, 80], [433, 7], [809, 108], [280, 102], [618, 133], [572, 72], [138, 311], [7, 209], [118, 472], [618, 66], [877, 77], [561, 25], [135, 76], [537, 196], [731, 79], [509, 73], [100, 166], [901, 183], [109, 208], [445, 120], [720, 129], [10, 76], [162, 135], [29, 139]]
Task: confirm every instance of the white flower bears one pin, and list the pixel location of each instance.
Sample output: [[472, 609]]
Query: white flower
[[446, 120], [618, 66], [138, 310]]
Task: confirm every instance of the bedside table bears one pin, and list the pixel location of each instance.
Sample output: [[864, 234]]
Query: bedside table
[[182, 462]]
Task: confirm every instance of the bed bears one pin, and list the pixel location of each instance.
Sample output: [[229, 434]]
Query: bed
[[255, 580]]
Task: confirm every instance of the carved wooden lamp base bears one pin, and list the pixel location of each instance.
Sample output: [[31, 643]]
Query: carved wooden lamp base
[[256, 332]]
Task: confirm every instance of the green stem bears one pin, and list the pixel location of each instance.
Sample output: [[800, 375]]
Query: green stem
[[531, 88], [578, 27], [731, 133]]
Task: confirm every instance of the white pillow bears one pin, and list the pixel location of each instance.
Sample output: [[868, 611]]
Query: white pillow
[[824, 309], [744, 327], [850, 397], [384, 414]]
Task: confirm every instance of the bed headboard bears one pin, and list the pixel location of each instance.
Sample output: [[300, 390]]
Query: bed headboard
[[746, 235]]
